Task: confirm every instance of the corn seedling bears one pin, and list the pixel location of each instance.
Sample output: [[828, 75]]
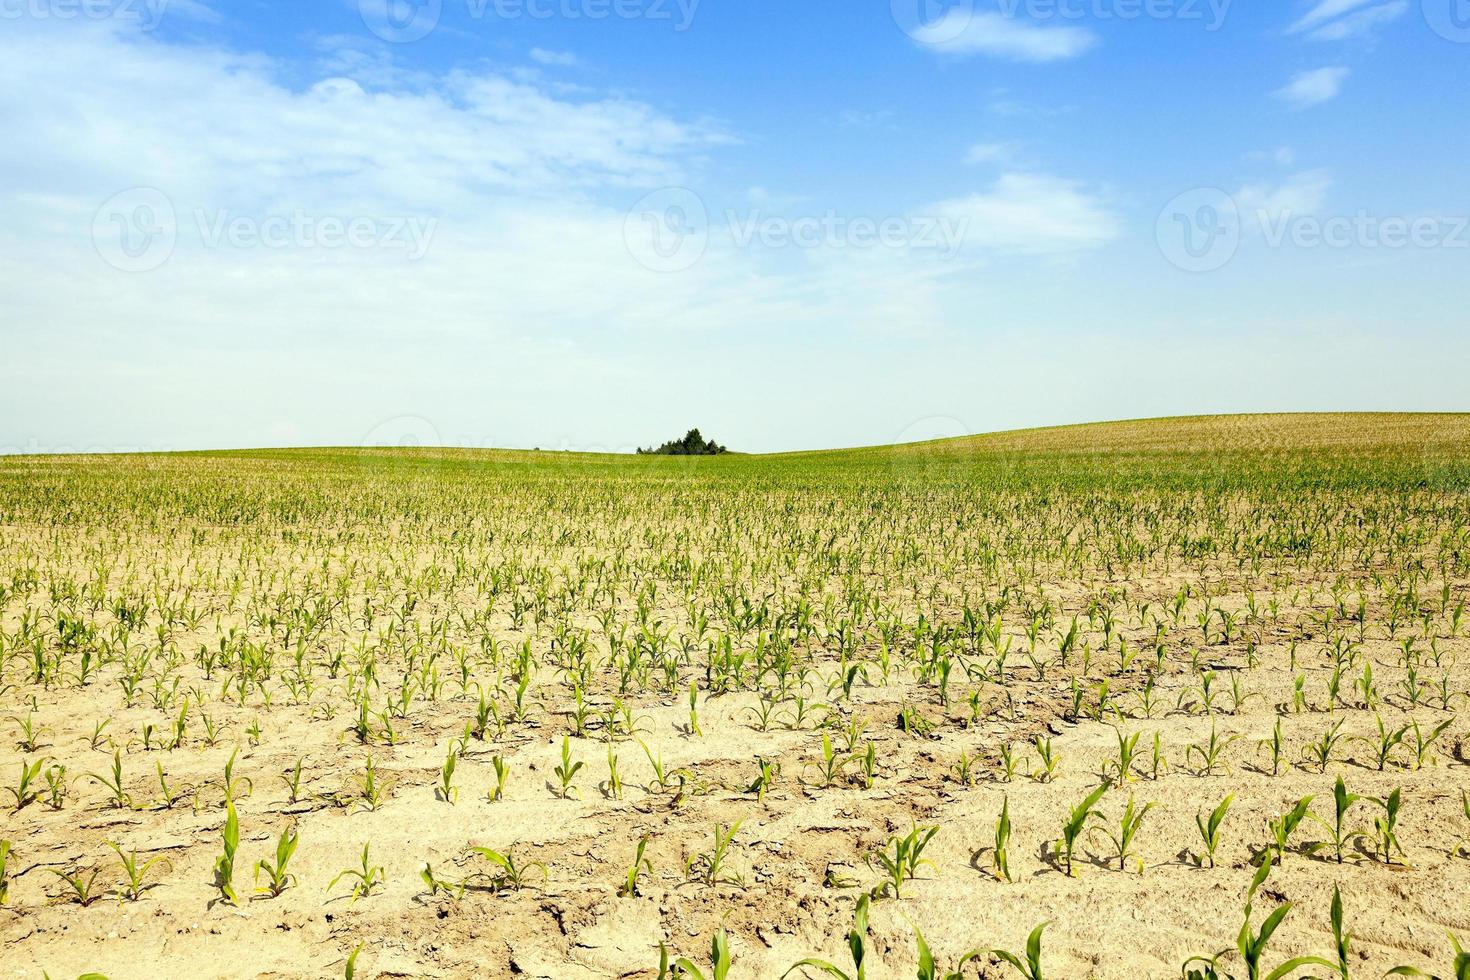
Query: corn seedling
[[640, 866], [1424, 744], [1385, 827], [709, 867], [510, 874], [567, 771], [1128, 826], [1209, 829], [502, 776], [367, 876], [114, 784], [1075, 825], [278, 879], [81, 885], [136, 870], [1283, 826], [224, 865], [446, 790], [1210, 752], [4, 874], [1028, 964], [719, 956], [1049, 759], [436, 885], [856, 945], [1339, 830]]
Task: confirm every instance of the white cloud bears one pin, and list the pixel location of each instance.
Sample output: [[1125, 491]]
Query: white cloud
[[1032, 213], [1310, 88], [990, 153], [964, 31], [1362, 23], [1336, 20], [555, 59], [1304, 193]]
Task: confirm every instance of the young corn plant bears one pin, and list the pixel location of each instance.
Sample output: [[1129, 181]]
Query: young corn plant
[[437, 885], [367, 876], [1209, 829], [81, 885], [1339, 830], [1385, 827], [1001, 862], [1322, 749], [1273, 746], [1128, 826], [1027, 964], [136, 871], [829, 770], [1283, 826], [1075, 825], [278, 879], [510, 875], [904, 863], [1049, 758], [27, 788], [1423, 745], [641, 865], [709, 867], [719, 957], [502, 776], [4, 874], [1388, 739], [224, 865], [114, 784], [446, 789], [567, 771], [1210, 752]]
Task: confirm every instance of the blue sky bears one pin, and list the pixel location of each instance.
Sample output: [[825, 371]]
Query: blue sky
[[589, 224]]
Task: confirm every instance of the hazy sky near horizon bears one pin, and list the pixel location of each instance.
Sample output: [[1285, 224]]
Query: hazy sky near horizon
[[592, 224]]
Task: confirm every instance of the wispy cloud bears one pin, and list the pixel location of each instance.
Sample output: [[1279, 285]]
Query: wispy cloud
[[1300, 194], [1310, 88], [1337, 20], [968, 32], [555, 59], [1033, 213], [990, 153]]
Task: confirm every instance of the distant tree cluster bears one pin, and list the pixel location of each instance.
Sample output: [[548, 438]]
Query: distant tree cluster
[[693, 444]]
